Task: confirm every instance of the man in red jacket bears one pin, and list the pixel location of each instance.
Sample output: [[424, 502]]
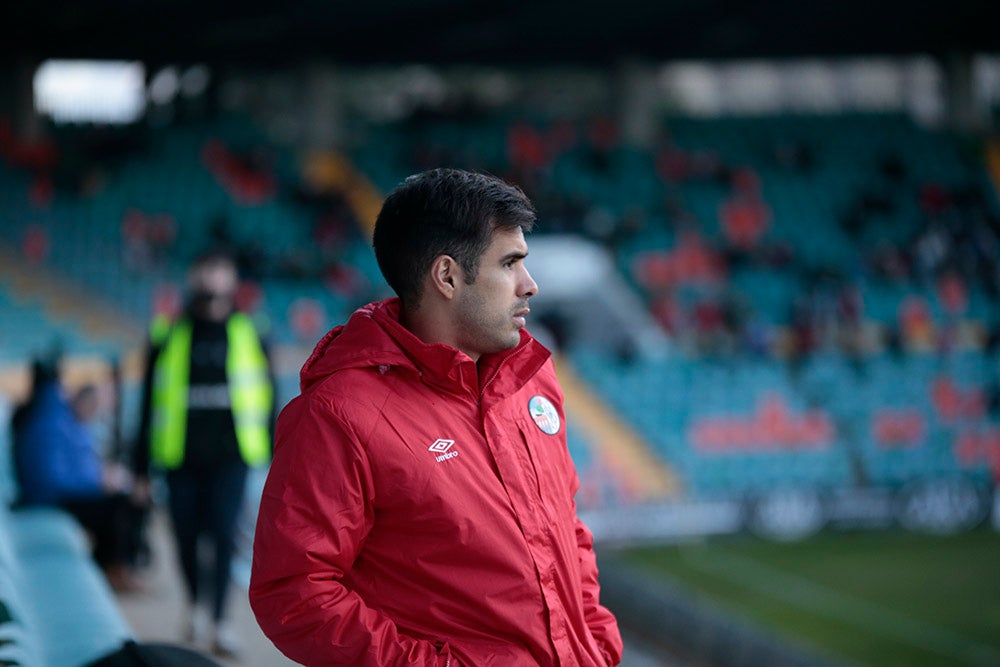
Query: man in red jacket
[[419, 509]]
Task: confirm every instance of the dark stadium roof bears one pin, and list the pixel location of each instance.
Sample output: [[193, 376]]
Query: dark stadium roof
[[448, 31]]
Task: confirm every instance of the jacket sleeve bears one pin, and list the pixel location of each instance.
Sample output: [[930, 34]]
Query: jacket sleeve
[[315, 513], [600, 620]]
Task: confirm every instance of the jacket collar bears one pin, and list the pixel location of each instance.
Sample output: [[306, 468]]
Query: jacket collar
[[374, 336], [495, 376]]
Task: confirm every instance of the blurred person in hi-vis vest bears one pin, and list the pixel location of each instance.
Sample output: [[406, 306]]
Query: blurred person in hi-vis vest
[[207, 416]]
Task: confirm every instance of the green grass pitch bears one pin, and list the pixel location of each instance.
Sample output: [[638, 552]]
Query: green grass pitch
[[883, 599]]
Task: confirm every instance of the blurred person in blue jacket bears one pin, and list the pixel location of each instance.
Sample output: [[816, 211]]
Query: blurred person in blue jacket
[[57, 464]]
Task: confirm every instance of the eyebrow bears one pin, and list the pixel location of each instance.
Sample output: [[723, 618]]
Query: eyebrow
[[517, 254]]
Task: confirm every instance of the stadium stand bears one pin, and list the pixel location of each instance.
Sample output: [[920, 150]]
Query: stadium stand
[[125, 226], [747, 426], [825, 278], [40, 309]]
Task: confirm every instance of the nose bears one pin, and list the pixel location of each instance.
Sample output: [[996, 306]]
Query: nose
[[527, 286]]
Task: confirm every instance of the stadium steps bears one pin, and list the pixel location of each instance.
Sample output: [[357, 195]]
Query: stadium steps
[[64, 300], [625, 453], [99, 324]]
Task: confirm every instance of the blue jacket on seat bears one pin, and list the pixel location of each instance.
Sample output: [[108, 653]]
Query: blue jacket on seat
[[54, 455]]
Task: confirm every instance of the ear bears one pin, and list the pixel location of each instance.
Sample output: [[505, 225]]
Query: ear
[[445, 276]]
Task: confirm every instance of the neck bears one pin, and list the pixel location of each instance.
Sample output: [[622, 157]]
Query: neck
[[431, 327], [213, 313]]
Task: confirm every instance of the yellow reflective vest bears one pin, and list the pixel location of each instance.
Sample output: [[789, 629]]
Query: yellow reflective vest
[[250, 392]]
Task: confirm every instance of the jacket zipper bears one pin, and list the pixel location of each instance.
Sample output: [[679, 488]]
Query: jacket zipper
[[493, 377], [482, 392]]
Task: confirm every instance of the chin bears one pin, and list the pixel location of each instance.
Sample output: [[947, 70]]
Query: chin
[[505, 345], [514, 340]]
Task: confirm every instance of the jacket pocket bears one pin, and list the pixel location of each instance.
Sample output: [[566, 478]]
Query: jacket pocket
[[547, 466]]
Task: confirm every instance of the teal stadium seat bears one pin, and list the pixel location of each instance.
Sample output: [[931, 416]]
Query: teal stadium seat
[[56, 609]]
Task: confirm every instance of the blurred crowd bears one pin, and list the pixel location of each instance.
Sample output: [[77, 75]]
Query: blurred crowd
[[688, 268], [948, 251]]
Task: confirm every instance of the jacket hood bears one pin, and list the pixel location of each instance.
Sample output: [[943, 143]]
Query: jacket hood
[[361, 343], [374, 338]]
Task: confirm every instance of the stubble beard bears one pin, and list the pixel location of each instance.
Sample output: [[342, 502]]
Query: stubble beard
[[483, 330]]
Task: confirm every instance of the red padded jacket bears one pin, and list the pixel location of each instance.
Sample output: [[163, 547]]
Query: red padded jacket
[[419, 511]]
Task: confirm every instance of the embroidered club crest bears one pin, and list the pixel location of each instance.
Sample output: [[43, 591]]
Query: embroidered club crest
[[545, 414]]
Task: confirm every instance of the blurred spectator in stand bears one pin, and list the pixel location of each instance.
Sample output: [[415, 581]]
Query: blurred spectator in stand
[[147, 240], [892, 167], [333, 225], [745, 220], [934, 199], [206, 417], [57, 463], [992, 343], [692, 261], [915, 323], [603, 139], [709, 167], [135, 245], [246, 174], [756, 336], [667, 312], [342, 278], [672, 164], [709, 320], [734, 319], [794, 154], [931, 251], [162, 231], [744, 215], [890, 262], [528, 154], [893, 340], [307, 318], [802, 331], [35, 245], [867, 204], [42, 192], [953, 295], [564, 212], [850, 318]]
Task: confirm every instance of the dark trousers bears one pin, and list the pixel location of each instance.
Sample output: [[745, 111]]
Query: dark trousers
[[112, 521], [207, 501]]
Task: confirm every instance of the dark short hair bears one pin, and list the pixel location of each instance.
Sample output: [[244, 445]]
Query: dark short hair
[[443, 212], [214, 257]]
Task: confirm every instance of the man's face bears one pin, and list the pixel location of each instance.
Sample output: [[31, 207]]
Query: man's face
[[217, 279], [85, 406], [213, 289], [491, 311]]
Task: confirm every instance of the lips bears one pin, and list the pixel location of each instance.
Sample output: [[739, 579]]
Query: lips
[[520, 315]]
